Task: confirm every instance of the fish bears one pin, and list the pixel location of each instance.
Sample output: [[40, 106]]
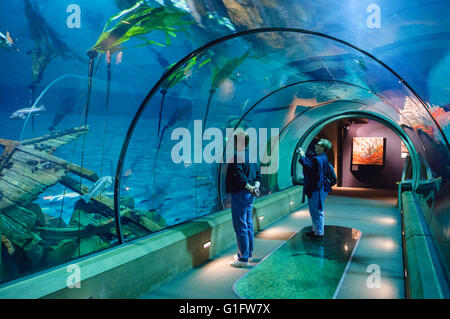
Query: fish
[[23, 113], [361, 63], [244, 105], [66, 107], [8, 38], [224, 21], [61, 196], [96, 189], [7, 42], [206, 184], [232, 121], [163, 62], [119, 57], [298, 102], [194, 13]]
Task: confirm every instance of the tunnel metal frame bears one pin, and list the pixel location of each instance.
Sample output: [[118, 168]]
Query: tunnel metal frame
[[315, 129], [199, 50], [416, 161], [382, 99]]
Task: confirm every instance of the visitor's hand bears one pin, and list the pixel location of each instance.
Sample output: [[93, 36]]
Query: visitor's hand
[[301, 152], [256, 192], [252, 190]]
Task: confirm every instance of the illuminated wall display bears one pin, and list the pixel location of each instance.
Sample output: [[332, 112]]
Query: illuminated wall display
[[368, 151]]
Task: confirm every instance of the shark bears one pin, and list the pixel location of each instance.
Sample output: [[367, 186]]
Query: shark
[[48, 44], [67, 106]]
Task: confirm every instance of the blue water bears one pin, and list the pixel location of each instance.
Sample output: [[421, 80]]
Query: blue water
[[139, 185], [412, 40]]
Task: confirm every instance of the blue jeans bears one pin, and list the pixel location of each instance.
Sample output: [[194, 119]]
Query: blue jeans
[[314, 202], [241, 212]]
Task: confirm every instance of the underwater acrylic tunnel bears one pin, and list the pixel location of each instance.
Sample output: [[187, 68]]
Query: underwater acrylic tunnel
[[88, 147]]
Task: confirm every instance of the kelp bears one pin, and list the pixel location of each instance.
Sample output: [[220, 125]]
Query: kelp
[[179, 75], [184, 72], [138, 21], [220, 74]]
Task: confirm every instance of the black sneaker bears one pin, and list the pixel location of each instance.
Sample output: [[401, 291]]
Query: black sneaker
[[311, 234]]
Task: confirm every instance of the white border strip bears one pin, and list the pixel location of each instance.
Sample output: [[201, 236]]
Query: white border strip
[[347, 267]]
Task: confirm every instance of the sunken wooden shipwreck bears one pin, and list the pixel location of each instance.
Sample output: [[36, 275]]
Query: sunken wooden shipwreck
[[34, 239]]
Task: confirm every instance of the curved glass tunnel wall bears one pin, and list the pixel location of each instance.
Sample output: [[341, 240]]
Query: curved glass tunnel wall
[[230, 85], [232, 75]]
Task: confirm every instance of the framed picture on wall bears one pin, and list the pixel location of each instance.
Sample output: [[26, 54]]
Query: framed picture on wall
[[368, 151]]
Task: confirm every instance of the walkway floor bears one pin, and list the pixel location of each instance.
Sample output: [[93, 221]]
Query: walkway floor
[[374, 213]]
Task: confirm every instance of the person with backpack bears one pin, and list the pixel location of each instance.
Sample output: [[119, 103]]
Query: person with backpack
[[319, 176], [243, 180]]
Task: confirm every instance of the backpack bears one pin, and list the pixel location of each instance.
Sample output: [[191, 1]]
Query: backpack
[[330, 176]]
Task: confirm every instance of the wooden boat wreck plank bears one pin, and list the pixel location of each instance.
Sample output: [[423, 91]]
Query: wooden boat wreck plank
[[73, 168], [5, 203], [66, 138], [38, 175], [107, 202], [52, 142], [74, 132], [38, 162], [74, 232], [17, 174], [9, 143], [19, 214], [20, 234], [16, 195], [23, 182], [83, 189]]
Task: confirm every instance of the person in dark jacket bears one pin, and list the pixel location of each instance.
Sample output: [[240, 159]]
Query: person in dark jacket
[[314, 186], [243, 180]]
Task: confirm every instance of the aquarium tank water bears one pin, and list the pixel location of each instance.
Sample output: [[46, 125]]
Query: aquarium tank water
[[95, 96]]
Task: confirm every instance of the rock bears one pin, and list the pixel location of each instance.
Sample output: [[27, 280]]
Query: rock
[[245, 15]]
